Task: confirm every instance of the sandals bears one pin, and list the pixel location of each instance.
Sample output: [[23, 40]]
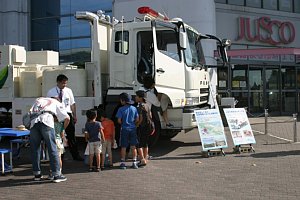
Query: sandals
[[91, 169]]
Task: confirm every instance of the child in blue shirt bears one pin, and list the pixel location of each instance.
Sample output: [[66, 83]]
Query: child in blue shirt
[[94, 135], [128, 117]]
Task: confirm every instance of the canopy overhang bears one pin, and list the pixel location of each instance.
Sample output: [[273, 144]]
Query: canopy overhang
[[267, 51]]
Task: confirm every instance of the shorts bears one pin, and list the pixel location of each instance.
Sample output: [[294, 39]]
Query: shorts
[[164, 102], [106, 147], [143, 137], [128, 137], [60, 147], [95, 147]]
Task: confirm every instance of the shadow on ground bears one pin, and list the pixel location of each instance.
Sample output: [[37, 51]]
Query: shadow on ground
[[276, 154]]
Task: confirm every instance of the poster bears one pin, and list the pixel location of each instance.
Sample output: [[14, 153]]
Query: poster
[[211, 129], [239, 126]]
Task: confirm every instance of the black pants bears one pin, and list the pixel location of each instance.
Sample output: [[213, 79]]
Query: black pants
[[70, 131]]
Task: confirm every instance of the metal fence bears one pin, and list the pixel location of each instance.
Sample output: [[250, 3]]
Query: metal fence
[[281, 127]]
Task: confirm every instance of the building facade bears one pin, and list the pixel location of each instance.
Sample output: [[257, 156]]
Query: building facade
[[265, 73], [257, 78]]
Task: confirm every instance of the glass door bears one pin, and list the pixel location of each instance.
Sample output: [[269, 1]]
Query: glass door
[[273, 101], [256, 88]]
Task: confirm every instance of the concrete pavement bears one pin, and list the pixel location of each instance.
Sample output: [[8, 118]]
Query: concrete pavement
[[177, 171]]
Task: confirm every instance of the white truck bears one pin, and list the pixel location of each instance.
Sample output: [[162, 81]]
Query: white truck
[[123, 53]]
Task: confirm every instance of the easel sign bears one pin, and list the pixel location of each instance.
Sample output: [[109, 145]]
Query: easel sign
[[239, 126], [211, 129]]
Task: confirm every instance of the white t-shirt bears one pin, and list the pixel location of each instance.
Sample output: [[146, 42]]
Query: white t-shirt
[[151, 98], [48, 104], [67, 97]]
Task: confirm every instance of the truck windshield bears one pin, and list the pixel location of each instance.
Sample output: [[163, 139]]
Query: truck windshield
[[194, 56]]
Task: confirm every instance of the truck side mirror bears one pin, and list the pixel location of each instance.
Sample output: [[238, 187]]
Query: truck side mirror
[[182, 40]]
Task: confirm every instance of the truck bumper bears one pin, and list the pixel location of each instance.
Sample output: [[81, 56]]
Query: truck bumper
[[188, 118], [183, 118]]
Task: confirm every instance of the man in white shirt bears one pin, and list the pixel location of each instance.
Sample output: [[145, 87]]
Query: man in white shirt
[[65, 95], [43, 129]]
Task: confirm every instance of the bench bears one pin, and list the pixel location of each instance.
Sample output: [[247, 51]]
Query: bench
[[5, 167], [18, 141]]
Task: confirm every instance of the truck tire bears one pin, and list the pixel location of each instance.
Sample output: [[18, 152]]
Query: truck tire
[[168, 134]]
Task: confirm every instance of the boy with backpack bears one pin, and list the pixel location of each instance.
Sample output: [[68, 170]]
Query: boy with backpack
[[145, 126]]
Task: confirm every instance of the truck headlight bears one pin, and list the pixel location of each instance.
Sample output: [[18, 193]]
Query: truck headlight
[[190, 101]]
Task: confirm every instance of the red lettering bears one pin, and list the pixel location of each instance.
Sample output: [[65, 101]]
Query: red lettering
[[291, 29], [265, 25], [265, 30], [249, 37]]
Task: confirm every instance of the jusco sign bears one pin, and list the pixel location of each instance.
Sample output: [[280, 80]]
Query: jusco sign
[[265, 30]]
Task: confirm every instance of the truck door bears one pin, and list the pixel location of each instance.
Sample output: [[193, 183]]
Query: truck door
[[168, 61]]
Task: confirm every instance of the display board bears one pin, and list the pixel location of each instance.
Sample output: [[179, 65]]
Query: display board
[[211, 129], [239, 126]]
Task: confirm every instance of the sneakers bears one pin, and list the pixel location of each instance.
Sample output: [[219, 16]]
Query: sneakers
[[58, 179], [140, 164], [50, 177], [122, 166], [134, 165], [169, 125], [38, 177]]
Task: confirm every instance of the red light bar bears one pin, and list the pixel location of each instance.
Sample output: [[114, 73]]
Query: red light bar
[[147, 10]]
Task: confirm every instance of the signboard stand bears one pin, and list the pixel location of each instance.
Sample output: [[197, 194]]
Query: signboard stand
[[211, 132], [243, 149], [215, 152], [240, 129]]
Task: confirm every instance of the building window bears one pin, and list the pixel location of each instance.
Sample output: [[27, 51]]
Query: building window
[[285, 5], [222, 79], [239, 79], [220, 1], [288, 78], [270, 4], [122, 42], [288, 102], [253, 3], [236, 2], [297, 6], [272, 79], [298, 78]]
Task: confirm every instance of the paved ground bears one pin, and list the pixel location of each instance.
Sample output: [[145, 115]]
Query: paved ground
[[177, 171]]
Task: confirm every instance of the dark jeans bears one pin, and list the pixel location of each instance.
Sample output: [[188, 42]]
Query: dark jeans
[[70, 131]]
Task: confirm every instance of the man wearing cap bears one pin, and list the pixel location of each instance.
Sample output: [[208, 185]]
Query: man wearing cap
[[128, 117]]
